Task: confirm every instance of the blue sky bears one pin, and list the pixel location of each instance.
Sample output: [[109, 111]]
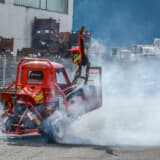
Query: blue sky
[[119, 23]]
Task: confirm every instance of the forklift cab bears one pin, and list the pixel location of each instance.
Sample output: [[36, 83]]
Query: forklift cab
[[42, 80]]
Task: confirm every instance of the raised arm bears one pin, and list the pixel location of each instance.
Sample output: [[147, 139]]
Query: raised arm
[[81, 41]]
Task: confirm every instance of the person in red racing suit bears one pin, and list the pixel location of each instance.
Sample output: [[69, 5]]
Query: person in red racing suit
[[82, 67]]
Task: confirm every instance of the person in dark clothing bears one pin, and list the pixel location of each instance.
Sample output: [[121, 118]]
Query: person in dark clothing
[[82, 66]]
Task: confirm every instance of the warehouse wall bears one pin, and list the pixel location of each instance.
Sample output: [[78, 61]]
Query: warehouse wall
[[17, 22]]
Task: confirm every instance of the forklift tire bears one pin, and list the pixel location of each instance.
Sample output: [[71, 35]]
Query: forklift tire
[[53, 129], [58, 130]]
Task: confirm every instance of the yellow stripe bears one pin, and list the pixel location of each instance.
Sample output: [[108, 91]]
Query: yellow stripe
[[77, 58]]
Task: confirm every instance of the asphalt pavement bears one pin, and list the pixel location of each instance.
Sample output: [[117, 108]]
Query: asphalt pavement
[[35, 148]]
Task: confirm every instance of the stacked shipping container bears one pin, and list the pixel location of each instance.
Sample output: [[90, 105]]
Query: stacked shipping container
[[48, 41], [6, 46], [45, 35], [74, 38]]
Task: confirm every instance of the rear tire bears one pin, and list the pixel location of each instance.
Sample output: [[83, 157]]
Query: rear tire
[[58, 130], [54, 128]]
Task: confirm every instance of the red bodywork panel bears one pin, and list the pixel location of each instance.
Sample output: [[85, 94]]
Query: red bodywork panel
[[21, 97]]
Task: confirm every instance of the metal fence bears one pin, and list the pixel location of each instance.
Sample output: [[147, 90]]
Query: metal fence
[[8, 68]]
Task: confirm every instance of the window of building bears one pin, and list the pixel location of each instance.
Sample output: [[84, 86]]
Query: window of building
[[1, 1], [57, 5], [43, 4], [50, 5]]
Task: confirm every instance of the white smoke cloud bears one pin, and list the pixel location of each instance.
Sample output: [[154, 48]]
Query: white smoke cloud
[[121, 121], [130, 111]]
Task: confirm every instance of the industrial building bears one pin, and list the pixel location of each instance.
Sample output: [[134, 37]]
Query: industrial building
[[120, 53], [146, 50], [138, 50], [17, 18]]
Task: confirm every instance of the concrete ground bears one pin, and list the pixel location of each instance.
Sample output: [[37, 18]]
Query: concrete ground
[[34, 148]]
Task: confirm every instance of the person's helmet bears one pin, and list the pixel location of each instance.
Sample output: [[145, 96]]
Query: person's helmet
[[76, 51]]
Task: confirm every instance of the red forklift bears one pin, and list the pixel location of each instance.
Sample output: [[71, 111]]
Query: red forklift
[[40, 88]]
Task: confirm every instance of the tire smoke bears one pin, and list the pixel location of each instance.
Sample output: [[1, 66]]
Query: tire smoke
[[130, 111]]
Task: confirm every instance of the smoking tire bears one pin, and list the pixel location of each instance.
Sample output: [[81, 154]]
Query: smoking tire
[[58, 130], [55, 127]]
